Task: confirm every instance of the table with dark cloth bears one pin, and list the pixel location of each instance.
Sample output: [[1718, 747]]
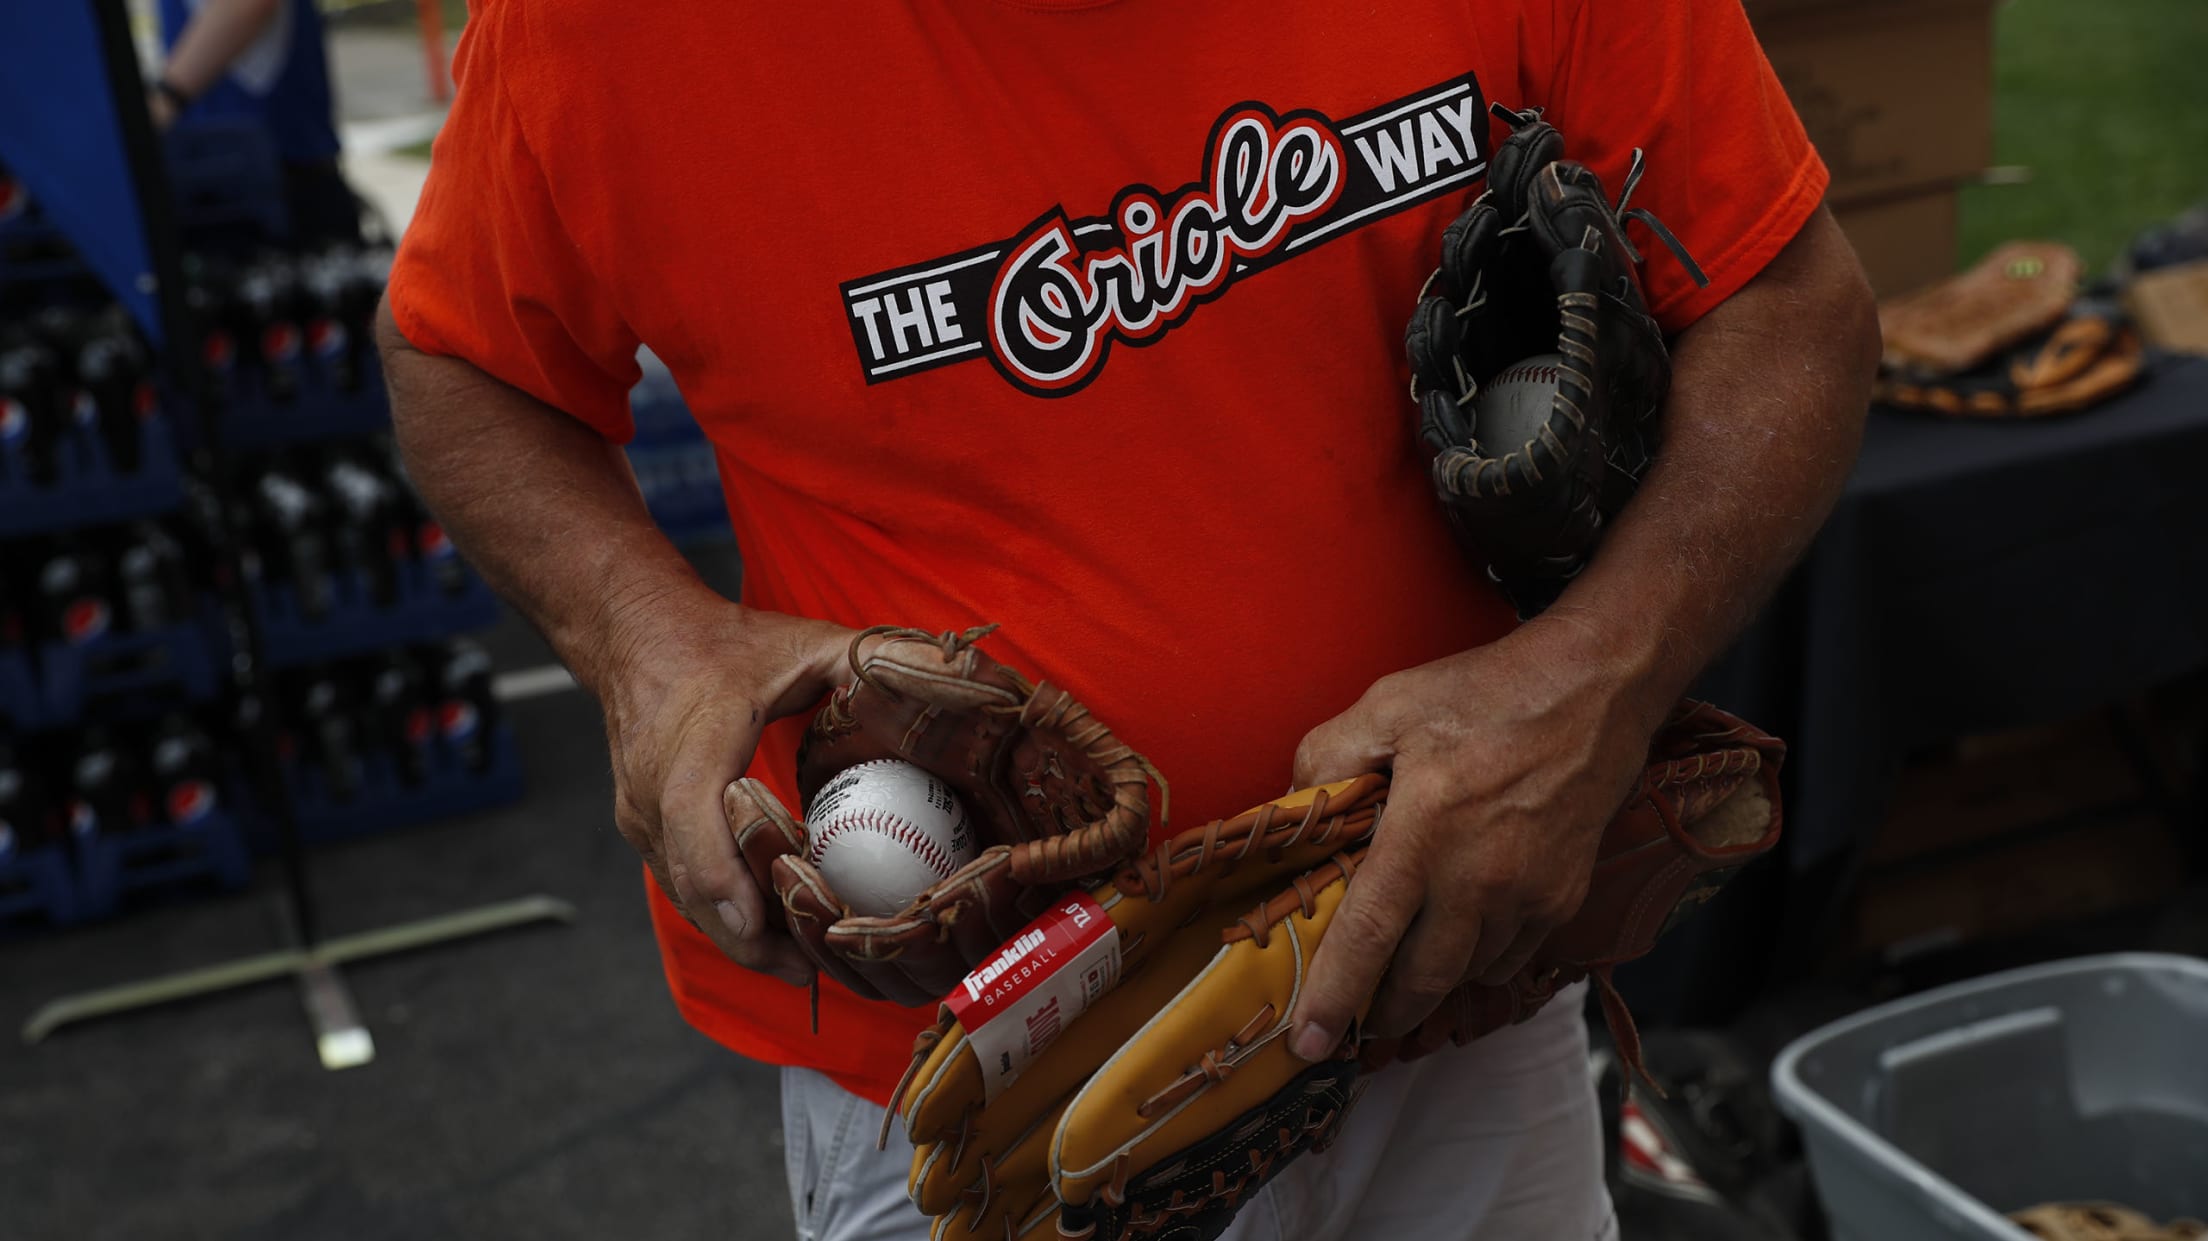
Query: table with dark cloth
[[1975, 575]]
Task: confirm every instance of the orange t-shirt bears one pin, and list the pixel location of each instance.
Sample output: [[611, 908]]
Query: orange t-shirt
[[1084, 318]]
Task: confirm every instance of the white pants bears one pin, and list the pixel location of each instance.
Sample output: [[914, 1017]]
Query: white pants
[[1497, 1141]]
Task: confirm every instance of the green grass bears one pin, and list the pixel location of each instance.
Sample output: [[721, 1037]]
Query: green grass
[[2106, 102]]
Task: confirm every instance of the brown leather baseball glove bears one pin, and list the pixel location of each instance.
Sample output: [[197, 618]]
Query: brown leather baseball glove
[[1055, 796], [1173, 1096]]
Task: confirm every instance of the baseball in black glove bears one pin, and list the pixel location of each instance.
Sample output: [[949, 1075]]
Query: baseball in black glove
[[1537, 369]]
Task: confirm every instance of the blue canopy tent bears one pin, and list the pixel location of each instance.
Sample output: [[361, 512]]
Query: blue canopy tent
[[74, 131]]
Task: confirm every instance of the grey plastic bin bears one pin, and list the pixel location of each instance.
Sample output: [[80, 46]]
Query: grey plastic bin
[[1929, 1118]]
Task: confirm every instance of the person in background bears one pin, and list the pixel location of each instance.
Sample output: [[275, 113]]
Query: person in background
[[264, 60]]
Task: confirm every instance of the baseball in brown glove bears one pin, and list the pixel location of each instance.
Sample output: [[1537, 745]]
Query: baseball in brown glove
[[1054, 796]]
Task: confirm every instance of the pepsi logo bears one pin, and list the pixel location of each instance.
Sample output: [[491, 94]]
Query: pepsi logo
[[15, 421], [459, 719], [12, 198], [435, 543], [190, 802], [83, 408], [144, 402], [326, 337], [84, 619], [219, 350], [279, 342], [83, 819]]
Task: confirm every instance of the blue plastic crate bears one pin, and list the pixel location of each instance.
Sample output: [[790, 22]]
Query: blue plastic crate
[[38, 881], [681, 483], [34, 251], [19, 699], [422, 612], [111, 865], [321, 411], [182, 656], [223, 175], [657, 411], [88, 490], [383, 802]]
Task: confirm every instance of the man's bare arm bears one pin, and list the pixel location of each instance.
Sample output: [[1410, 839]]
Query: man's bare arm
[[548, 511], [218, 33], [1764, 421], [1508, 760]]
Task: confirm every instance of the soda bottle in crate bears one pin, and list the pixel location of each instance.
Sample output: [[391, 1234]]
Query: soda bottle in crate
[[371, 532], [111, 393], [29, 817], [467, 713], [332, 736], [75, 598], [155, 580], [210, 298], [185, 771], [339, 291], [268, 306], [106, 795], [294, 543], [32, 418], [402, 722]]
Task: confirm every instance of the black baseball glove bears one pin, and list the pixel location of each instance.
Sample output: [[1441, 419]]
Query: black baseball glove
[[1538, 270]]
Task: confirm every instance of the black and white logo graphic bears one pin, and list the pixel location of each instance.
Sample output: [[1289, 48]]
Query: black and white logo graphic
[[1046, 306]]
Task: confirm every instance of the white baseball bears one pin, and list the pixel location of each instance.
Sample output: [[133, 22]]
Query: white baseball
[[883, 832], [1516, 403]]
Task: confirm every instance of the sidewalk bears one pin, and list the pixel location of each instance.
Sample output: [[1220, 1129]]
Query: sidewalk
[[385, 112]]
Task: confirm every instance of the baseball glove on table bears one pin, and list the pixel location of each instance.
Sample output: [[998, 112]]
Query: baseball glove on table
[[2009, 338], [1161, 1107], [1056, 797], [1538, 268]]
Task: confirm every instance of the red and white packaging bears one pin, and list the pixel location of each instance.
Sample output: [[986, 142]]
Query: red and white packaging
[[1029, 989]]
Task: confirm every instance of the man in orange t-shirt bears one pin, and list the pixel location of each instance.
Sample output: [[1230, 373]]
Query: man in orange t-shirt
[[933, 278]]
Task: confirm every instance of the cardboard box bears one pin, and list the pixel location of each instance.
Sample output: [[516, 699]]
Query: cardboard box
[[2171, 305], [2017, 889], [1992, 785], [1905, 243], [1898, 96]]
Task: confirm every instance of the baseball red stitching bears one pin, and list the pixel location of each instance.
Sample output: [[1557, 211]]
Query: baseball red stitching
[[900, 830], [1526, 374]]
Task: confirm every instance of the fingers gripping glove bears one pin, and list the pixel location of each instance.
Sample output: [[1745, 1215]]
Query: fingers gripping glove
[[1707, 803], [1205, 1103], [1539, 264], [1056, 798]]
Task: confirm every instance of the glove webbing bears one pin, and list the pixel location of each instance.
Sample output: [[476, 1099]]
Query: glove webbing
[[1519, 118]]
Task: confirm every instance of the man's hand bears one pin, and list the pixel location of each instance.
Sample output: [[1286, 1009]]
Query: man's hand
[[687, 690], [1508, 761], [550, 514]]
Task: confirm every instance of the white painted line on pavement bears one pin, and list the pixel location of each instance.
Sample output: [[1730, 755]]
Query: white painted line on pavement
[[532, 683]]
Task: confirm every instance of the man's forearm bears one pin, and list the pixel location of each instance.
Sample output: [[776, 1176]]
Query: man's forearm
[[1764, 420], [217, 34], [543, 507]]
